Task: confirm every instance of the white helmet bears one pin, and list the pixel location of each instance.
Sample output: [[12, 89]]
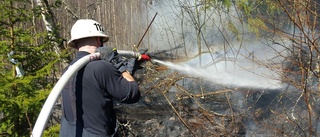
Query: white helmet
[[84, 28]]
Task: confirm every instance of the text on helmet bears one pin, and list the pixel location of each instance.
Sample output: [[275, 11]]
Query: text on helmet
[[98, 27]]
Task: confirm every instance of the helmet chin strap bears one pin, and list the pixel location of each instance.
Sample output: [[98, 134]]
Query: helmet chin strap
[[101, 42]]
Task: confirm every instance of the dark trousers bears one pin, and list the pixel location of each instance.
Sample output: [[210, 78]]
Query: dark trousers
[[72, 129]]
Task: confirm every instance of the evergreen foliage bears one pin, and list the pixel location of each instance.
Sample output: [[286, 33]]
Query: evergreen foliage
[[21, 98]]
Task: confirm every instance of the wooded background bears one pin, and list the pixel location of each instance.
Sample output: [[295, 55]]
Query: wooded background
[[124, 21]]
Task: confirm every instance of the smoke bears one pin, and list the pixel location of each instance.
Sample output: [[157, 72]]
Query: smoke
[[224, 59], [179, 22], [228, 57]]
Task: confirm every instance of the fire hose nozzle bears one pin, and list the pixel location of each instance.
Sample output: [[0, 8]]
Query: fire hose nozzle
[[144, 57]]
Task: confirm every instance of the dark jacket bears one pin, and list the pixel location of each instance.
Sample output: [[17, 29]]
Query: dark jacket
[[88, 98]]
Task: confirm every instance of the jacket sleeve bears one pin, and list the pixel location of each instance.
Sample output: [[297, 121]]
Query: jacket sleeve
[[112, 82]]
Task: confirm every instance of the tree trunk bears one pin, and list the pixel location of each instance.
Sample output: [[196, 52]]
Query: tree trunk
[[47, 17]]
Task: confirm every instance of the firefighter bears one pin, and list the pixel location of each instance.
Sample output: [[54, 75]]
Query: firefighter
[[88, 97]]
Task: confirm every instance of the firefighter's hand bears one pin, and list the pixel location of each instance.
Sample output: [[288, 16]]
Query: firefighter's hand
[[128, 65], [108, 53], [132, 66], [121, 64]]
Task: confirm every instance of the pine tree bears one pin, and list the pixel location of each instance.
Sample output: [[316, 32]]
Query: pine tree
[[23, 45]]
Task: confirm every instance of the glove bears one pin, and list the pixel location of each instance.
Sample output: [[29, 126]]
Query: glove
[[130, 65], [133, 64], [126, 64], [108, 53], [121, 65]]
